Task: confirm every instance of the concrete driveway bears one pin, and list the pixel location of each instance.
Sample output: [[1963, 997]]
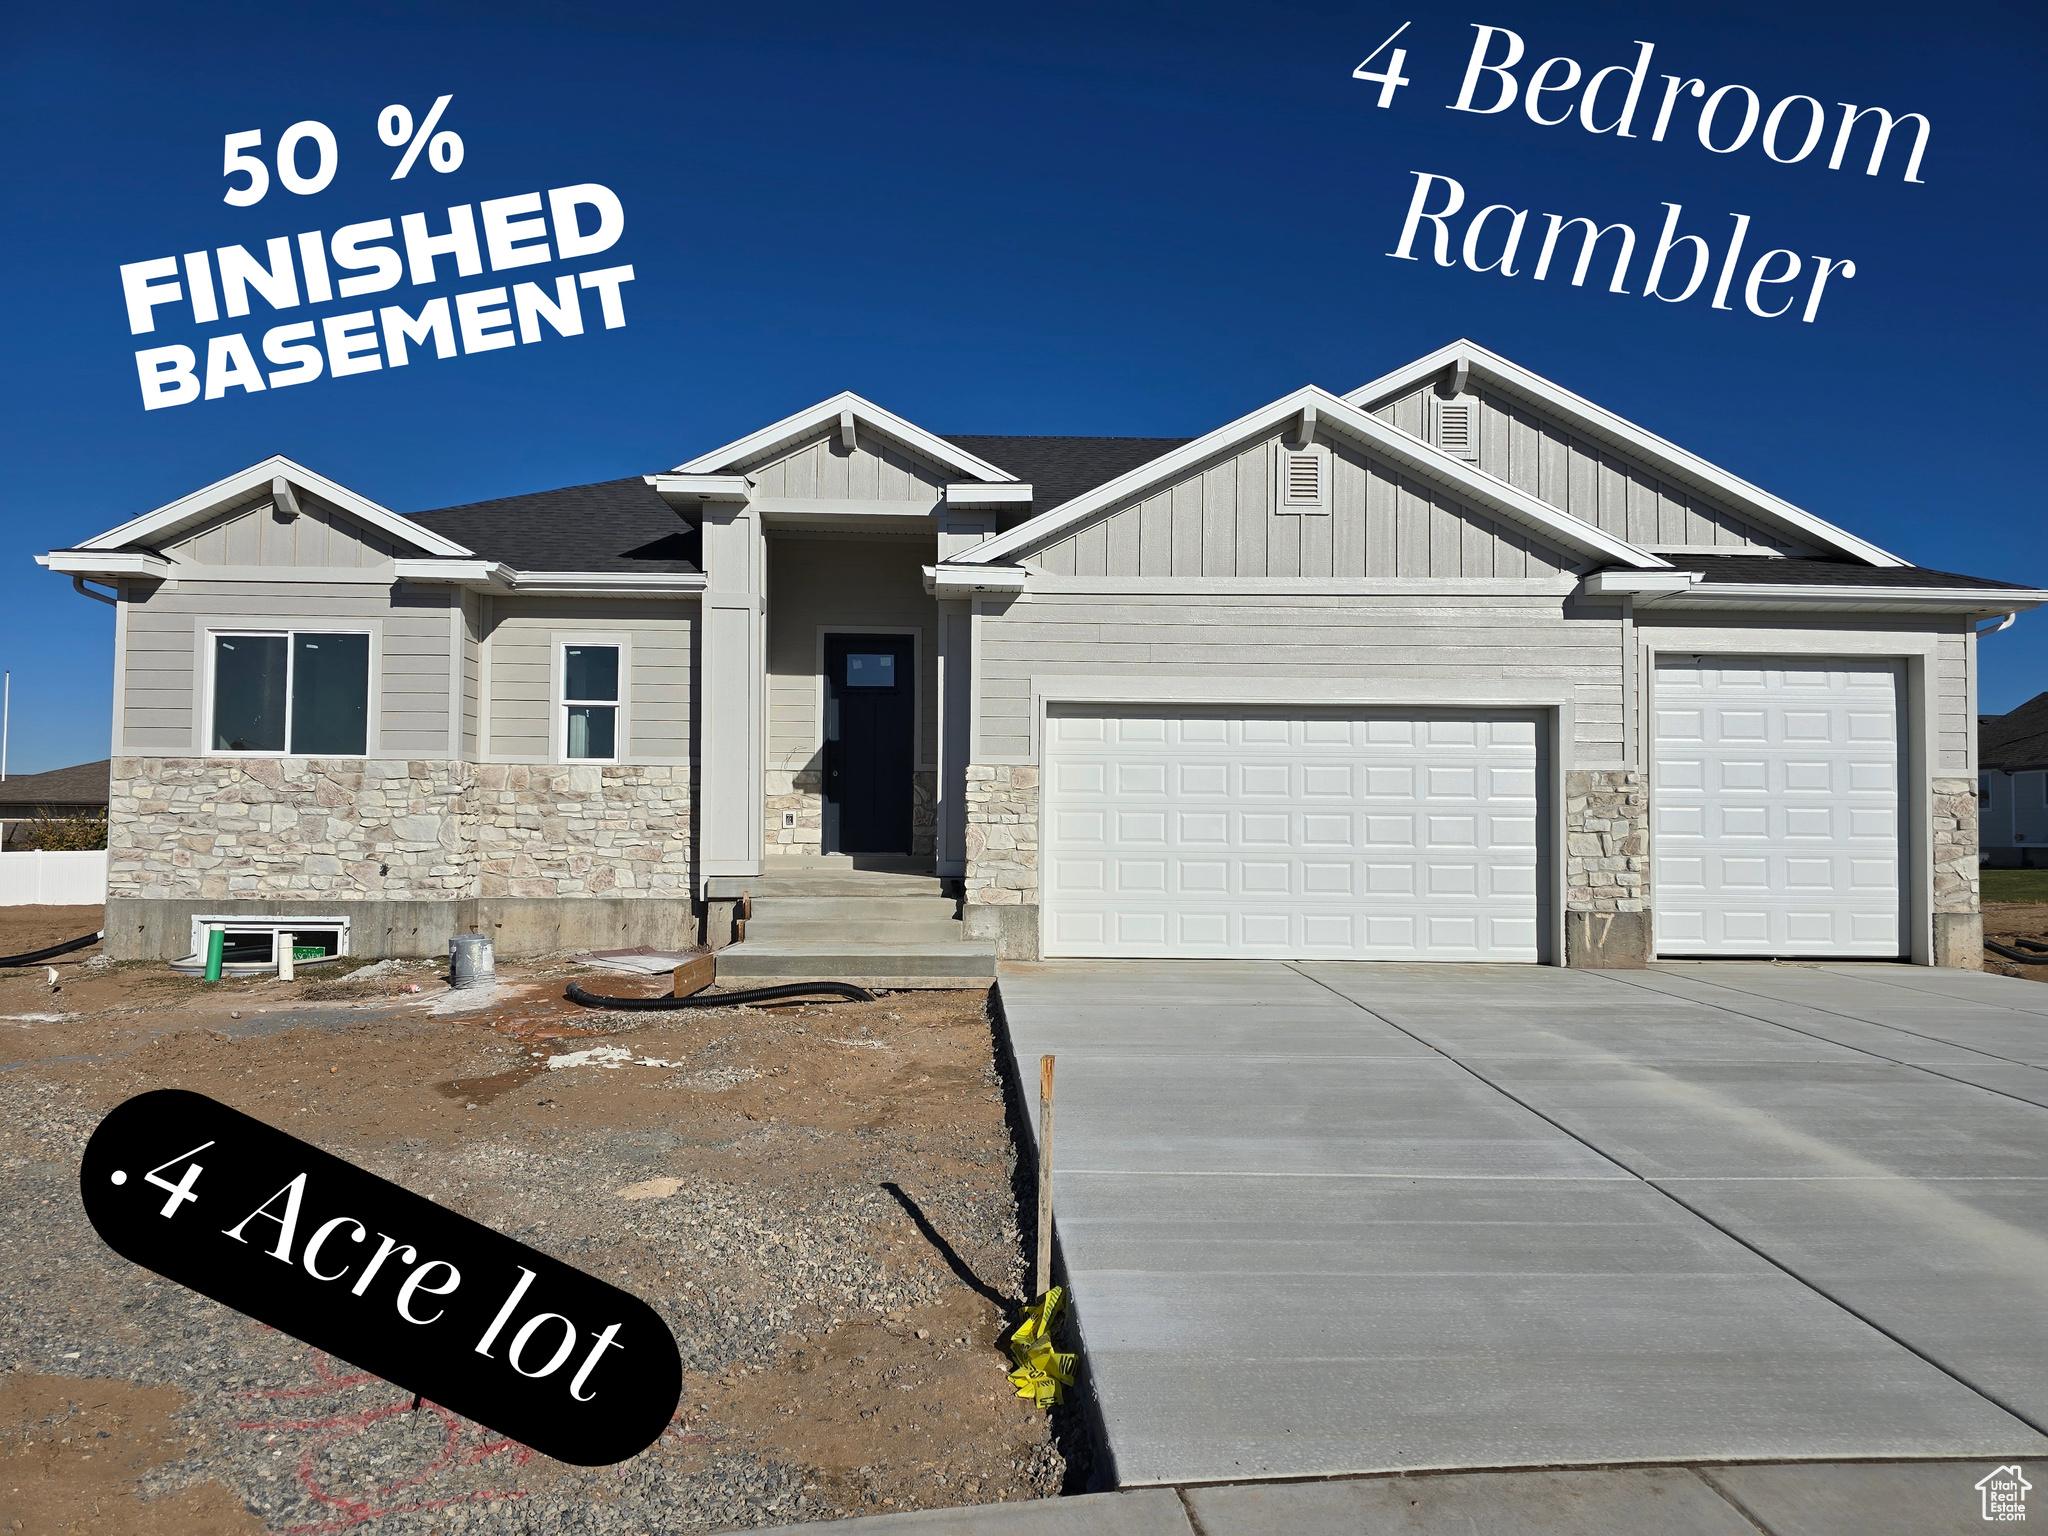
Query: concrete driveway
[[1340, 1218]]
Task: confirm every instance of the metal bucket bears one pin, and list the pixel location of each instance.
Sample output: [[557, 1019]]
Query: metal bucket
[[470, 961]]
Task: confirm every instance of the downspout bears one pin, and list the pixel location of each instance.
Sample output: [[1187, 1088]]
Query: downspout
[[78, 585]]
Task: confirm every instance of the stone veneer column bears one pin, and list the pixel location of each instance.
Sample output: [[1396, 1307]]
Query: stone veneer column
[[1607, 869], [1958, 914], [1002, 857]]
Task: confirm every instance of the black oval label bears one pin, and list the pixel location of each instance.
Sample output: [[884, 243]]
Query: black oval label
[[350, 1263]]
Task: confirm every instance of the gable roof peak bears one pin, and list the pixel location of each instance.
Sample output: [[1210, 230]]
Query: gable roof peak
[[848, 408], [1604, 426]]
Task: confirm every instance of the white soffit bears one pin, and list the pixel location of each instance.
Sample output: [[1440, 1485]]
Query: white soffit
[[1604, 425], [202, 504], [866, 415], [1483, 491]]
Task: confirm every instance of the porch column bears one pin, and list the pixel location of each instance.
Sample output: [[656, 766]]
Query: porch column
[[731, 711], [959, 529]]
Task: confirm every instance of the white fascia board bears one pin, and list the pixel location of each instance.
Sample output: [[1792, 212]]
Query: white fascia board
[[1640, 583], [695, 488], [1894, 599], [125, 562], [956, 581], [491, 576], [865, 413], [203, 503], [483, 575], [1011, 495], [1332, 414], [1601, 423]]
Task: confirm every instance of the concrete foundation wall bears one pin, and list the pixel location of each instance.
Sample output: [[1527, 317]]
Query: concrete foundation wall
[[158, 929]]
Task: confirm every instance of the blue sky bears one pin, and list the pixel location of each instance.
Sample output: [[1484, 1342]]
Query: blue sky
[[1120, 219]]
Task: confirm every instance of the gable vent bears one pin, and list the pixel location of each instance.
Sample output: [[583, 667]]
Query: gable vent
[[1304, 479], [1457, 427], [1304, 475]]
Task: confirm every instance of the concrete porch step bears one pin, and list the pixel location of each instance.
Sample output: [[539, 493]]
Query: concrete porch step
[[867, 906], [879, 927], [846, 882], [968, 959]]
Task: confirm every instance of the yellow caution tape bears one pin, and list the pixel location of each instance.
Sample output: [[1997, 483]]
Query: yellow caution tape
[[1043, 1373]]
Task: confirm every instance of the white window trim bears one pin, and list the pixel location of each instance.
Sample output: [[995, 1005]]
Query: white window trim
[[372, 703], [1285, 507], [559, 641]]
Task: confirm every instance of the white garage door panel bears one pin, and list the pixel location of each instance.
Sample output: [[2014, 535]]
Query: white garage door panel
[[1291, 836], [1776, 808]]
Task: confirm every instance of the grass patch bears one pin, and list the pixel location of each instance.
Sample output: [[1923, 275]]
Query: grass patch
[[2008, 885]]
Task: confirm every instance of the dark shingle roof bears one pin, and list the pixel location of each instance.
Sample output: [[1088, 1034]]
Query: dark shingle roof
[[1764, 570], [82, 784], [1060, 468], [2015, 740], [613, 525]]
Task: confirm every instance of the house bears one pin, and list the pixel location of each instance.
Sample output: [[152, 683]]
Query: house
[[2012, 786], [1455, 666], [80, 790]]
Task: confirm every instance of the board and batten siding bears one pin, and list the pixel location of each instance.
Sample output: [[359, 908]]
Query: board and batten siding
[[520, 636], [818, 584], [253, 534], [823, 470], [1536, 453], [1422, 640], [1220, 521], [164, 684]]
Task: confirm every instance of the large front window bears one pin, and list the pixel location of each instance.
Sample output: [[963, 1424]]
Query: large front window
[[590, 699], [300, 693]]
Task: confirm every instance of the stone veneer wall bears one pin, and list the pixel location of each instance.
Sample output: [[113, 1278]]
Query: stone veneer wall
[[1002, 858], [616, 830], [370, 829], [802, 791], [218, 828], [1606, 868], [1958, 913]]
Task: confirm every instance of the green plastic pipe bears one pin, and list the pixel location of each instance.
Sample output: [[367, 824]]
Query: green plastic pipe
[[216, 941]]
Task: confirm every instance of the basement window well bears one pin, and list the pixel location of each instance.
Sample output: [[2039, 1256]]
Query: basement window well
[[250, 944]]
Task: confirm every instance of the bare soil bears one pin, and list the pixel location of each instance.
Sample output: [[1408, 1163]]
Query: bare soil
[[819, 1198], [2007, 921]]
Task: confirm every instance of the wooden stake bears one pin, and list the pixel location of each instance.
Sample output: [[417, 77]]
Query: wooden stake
[[1044, 1175]]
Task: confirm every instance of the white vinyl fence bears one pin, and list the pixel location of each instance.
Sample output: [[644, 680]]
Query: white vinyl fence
[[53, 879]]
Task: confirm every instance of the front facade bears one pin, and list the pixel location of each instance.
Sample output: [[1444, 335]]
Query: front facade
[[1458, 666]]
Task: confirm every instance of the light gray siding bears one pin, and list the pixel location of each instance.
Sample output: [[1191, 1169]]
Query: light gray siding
[[1220, 521], [253, 534], [1537, 453], [820, 584], [823, 470], [521, 634], [472, 672], [166, 651], [1425, 640]]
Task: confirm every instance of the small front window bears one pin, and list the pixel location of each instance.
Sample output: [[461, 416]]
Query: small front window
[[302, 694], [590, 700], [870, 669]]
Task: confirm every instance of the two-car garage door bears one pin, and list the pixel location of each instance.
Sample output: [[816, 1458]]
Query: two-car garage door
[[1338, 834]]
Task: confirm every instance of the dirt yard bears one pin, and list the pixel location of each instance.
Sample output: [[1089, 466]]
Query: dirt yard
[[818, 1198], [2009, 920]]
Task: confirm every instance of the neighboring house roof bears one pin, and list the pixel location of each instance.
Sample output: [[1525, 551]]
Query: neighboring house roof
[[1773, 570], [1468, 360], [2016, 740], [609, 525], [83, 784], [1060, 468]]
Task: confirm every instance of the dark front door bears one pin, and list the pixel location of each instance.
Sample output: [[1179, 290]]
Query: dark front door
[[869, 723]]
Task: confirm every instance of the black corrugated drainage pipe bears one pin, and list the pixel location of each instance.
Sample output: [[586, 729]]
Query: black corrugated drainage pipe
[[840, 989], [53, 951]]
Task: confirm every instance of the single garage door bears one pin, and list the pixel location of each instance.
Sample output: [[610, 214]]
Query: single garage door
[[1291, 834], [1775, 807]]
